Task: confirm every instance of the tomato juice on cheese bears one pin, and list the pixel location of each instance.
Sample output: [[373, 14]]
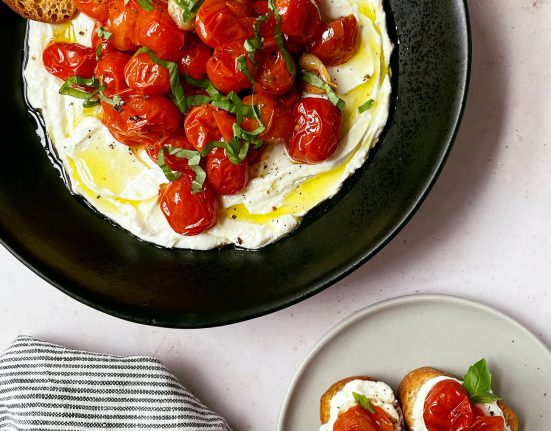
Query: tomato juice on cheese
[[146, 145]]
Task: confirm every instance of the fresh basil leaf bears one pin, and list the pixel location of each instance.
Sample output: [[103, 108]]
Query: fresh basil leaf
[[199, 180], [147, 5], [170, 176], [189, 8], [197, 100], [103, 33], [289, 63], [485, 398], [478, 378], [366, 106], [193, 157], [316, 81], [364, 402], [116, 101], [244, 67], [254, 44]]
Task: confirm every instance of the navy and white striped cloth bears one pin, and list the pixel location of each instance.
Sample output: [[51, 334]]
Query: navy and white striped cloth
[[48, 387]]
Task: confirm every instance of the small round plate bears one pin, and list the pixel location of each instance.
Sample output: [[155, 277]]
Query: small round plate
[[389, 339]]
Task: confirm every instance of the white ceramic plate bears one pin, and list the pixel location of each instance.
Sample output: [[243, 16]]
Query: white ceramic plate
[[389, 339]]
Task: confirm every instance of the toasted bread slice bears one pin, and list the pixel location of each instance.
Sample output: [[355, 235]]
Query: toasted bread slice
[[412, 383], [325, 401], [50, 11]]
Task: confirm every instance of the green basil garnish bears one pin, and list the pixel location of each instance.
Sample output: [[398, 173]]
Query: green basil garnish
[[316, 81], [189, 8], [193, 158], [478, 383], [366, 106], [364, 402], [281, 41]]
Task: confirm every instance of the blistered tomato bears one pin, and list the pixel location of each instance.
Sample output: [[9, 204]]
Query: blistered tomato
[[300, 19], [141, 120], [143, 74], [195, 57], [69, 59], [447, 407], [316, 133], [226, 178], [274, 76], [335, 42], [110, 71], [358, 419], [201, 127], [121, 24], [488, 423], [275, 117], [223, 22], [157, 31], [224, 69], [96, 9], [188, 213]]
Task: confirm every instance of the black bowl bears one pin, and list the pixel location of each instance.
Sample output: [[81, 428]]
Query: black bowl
[[101, 265]]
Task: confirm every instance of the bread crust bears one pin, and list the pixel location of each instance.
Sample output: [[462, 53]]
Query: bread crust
[[412, 382], [49, 11]]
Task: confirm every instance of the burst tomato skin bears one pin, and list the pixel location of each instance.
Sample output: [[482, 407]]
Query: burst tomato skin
[[200, 126], [141, 120], [226, 177], [488, 423], [195, 57], [335, 42], [358, 419], [110, 71], [96, 9], [122, 24], [223, 69], [144, 75], [188, 214], [316, 134], [157, 31], [178, 140], [69, 59], [274, 77], [300, 19], [223, 22], [447, 407]]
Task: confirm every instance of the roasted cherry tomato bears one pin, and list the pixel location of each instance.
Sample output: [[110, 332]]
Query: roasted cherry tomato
[[69, 59], [96, 9], [226, 177], [275, 117], [488, 423], [187, 213], [141, 120], [358, 419], [195, 58], [175, 163], [97, 40], [200, 126], [225, 122], [265, 103], [447, 407], [158, 31], [110, 71], [316, 133], [274, 77], [335, 42], [143, 74], [300, 19], [224, 69], [224, 22], [122, 24]]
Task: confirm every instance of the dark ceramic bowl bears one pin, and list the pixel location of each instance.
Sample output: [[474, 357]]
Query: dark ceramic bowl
[[61, 239]]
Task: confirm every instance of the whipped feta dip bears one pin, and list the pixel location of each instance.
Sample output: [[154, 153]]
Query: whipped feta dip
[[122, 182], [379, 393], [489, 409]]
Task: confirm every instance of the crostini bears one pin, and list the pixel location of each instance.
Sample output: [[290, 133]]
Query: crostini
[[435, 401], [360, 404], [50, 11]]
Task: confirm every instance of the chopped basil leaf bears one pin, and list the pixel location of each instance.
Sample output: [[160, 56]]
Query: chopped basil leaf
[[147, 5], [178, 95], [366, 106], [103, 33], [254, 44], [166, 170], [478, 383], [193, 157], [189, 8], [281, 41], [197, 100], [116, 101], [244, 67], [364, 402], [199, 180], [316, 81]]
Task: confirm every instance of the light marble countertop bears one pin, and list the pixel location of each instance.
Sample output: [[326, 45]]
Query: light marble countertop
[[483, 233]]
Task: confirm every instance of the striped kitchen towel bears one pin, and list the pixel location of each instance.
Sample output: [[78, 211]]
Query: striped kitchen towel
[[48, 387]]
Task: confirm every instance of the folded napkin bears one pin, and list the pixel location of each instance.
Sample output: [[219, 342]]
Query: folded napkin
[[48, 387]]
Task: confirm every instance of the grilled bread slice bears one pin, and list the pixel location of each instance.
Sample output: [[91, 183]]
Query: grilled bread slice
[[50, 11], [412, 383]]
